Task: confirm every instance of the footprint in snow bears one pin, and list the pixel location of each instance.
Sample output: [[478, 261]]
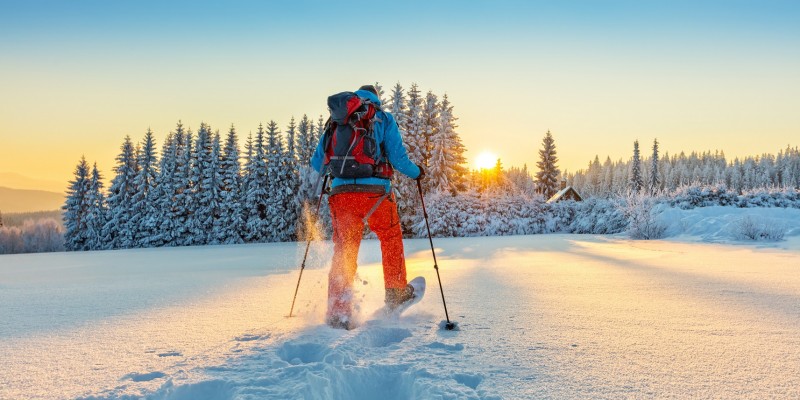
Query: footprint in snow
[[383, 337], [302, 353], [249, 337], [446, 347], [144, 377], [471, 381]]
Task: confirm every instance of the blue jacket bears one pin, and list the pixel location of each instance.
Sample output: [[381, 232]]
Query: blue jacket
[[386, 132]]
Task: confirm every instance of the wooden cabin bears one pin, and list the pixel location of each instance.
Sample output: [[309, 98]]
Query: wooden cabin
[[566, 193]]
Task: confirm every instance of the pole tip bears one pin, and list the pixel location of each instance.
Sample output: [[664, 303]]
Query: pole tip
[[448, 325]]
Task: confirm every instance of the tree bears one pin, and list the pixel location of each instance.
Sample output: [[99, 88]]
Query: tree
[[119, 231], [547, 176], [654, 180], [76, 208], [207, 184], [256, 197], [145, 215], [429, 127], [636, 169], [446, 170], [281, 221], [183, 207], [97, 213], [397, 106], [231, 219]]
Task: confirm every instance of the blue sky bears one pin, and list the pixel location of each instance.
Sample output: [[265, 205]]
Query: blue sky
[[598, 74]]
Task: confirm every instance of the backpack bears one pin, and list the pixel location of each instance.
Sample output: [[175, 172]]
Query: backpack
[[351, 150]]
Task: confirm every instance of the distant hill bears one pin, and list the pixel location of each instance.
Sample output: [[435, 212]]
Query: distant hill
[[18, 181], [21, 200]]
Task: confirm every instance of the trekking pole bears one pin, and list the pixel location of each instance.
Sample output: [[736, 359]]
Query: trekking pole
[[308, 245], [450, 325]]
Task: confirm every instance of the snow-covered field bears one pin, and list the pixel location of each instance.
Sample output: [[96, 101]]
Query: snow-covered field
[[546, 316]]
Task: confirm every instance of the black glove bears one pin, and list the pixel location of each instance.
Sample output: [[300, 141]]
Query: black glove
[[421, 172]]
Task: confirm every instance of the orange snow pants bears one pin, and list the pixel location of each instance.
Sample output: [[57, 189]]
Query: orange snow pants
[[348, 211]]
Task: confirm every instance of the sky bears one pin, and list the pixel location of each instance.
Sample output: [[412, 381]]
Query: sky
[[77, 77]]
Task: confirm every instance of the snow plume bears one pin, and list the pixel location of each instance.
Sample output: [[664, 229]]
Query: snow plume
[[310, 225]]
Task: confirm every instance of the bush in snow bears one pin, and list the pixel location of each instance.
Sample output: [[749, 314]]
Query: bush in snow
[[688, 197], [32, 237], [748, 229], [596, 216], [643, 223]]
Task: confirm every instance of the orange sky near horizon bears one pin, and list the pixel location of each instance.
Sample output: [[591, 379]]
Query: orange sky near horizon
[[698, 76]]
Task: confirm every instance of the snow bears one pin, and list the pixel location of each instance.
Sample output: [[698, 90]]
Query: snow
[[542, 316]]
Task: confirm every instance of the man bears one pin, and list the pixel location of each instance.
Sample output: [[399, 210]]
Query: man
[[354, 200]]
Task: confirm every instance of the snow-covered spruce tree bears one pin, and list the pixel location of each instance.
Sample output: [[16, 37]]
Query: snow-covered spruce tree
[[636, 169], [430, 125], [278, 187], [654, 180], [145, 217], [292, 203], [206, 194], [119, 232], [167, 190], [76, 209], [231, 219], [397, 106], [183, 207], [414, 128], [547, 176], [96, 217], [444, 150], [256, 197]]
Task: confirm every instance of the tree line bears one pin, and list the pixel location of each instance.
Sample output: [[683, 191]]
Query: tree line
[[668, 173], [198, 189]]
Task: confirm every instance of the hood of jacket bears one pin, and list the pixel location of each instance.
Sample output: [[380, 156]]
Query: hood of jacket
[[366, 94]]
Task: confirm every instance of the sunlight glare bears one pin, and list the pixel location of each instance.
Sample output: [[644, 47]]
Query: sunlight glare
[[486, 160]]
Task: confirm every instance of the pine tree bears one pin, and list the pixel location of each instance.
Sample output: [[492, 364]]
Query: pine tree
[[277, 186], [232, 220], [636, 169], [256, 197], [304, 141], [446, 171], [430, 127], [96, 217], [167, 191], [414, 136], [547, 176], [292, 203], [654, 180], [397, 106], [76, 209], [119, 232], [205, 193], [183, 207], [145, 216]]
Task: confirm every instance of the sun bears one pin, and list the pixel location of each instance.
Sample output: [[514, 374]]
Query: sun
[[486, 160]]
